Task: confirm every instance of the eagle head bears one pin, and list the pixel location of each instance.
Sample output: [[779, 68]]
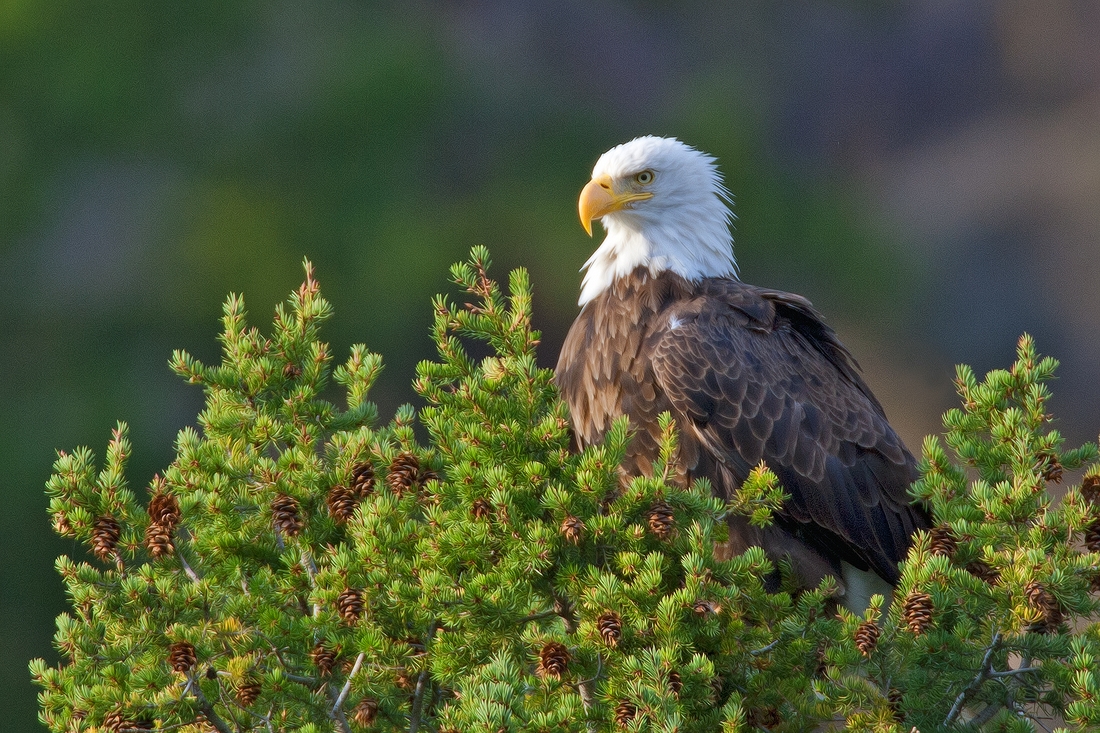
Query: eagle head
[[664, 208]]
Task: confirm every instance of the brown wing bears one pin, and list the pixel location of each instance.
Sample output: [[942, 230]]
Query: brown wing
[[756, 375]]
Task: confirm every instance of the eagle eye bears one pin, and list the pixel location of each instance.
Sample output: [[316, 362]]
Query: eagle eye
[[645, 177]]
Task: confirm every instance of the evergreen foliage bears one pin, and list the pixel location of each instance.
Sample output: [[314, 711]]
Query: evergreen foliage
[[300, 567]]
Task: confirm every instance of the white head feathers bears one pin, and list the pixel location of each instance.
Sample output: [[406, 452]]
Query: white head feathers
[[664, 208]]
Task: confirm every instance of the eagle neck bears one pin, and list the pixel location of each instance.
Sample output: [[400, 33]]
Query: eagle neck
[[693, 252]]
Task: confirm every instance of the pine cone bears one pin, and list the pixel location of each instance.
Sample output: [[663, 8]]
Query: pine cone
[[661, 520], [917, 611], [324, 659], [1041, 599], [158, 540], [572, 529], [404, 473], [703, 608], [1092, 536], [894, 697], [181, 656], [625, 712], [866, 637], [365, 712], [553, 660], [249, 691], [610, 625], [675, 684], [114, 722], [164, 509], [341, 503], [1090, 486], [350, 605], [942, 542], [481, 508], [362, 479], [765, 717], [61, 525], [105, 534], [1050, 468], [984, 572], [286, 516]]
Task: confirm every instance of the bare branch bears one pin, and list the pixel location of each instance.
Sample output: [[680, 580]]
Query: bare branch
[[984, 672]]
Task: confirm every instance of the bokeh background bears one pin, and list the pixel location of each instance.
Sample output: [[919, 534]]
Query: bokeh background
[[927, 172]]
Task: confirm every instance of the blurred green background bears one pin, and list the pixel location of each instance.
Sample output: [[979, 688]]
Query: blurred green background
[[927, 172]]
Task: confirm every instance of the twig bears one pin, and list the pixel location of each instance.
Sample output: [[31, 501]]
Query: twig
[[418, 700], [208, 710], [186, 567], [984, 672], [1014, 672], [347, 685], [764, 649], [538, 616], [421, 686], [337, 712], [564, 609]]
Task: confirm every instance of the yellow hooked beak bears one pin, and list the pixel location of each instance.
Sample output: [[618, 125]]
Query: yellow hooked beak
[[599, 198]]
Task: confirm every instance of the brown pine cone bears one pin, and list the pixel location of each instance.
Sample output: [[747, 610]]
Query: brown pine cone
[[942, 542], [765, 717], [866, 637], [703, 608], [675, 684], [894, 696], [1090, 486], [249, 691], [554, 659], [341, 502], [1041, 599], [625, 712], [1050, 468], [164, 509], [158, 540], [610, 625], [114, 722], [362, 479], [350, 605], [481, 508], [365, 712], [984, 572], [1092, 536], [572, 529], [404, 473], [286, 516], [917, 611], [181, 656], [105, 534], [324, 659], [660, 520]]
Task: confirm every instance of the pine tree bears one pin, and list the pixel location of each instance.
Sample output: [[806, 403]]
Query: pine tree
[[300, 567]]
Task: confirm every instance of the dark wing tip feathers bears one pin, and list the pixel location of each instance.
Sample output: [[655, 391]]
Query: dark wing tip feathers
[[779, 386]]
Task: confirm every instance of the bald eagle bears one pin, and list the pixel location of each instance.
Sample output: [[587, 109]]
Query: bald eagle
[[749, 374]]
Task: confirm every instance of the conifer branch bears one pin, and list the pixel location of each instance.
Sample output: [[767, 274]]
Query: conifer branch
[[207, 709], [347, 684], [984, 672], [421, 684], [361, 554], [336, 714]]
